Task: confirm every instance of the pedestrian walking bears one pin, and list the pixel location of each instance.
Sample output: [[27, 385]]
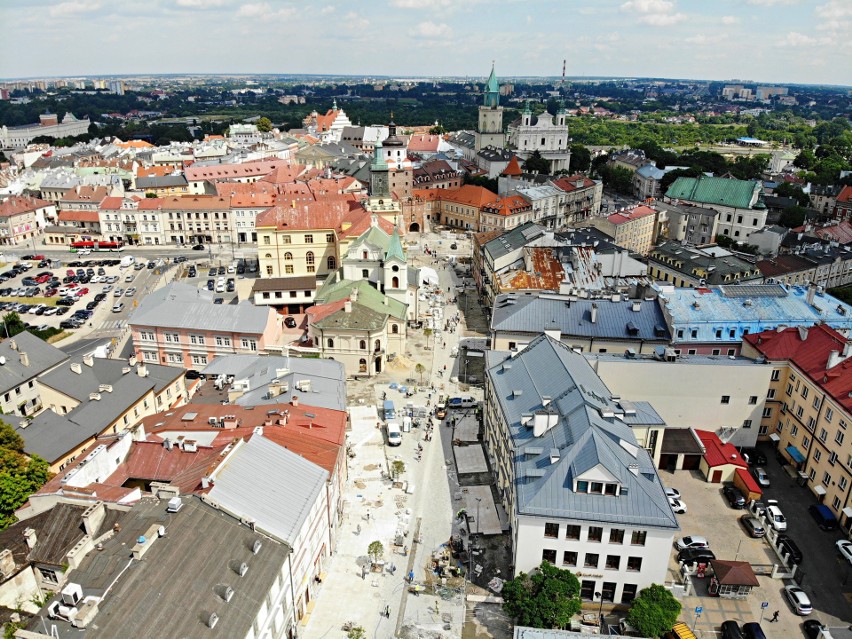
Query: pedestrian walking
[[368, 515], [774, 617], [358, 529]]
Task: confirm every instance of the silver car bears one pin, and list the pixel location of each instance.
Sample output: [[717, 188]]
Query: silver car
[[761, 476]]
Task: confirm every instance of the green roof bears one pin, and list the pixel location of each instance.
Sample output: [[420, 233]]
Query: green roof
[[367, 296], [360, 318], [715, 190], [374, 236], [395, 248], [492, 90]]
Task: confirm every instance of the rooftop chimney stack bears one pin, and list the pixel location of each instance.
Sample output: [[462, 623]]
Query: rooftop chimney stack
[[25, 359]]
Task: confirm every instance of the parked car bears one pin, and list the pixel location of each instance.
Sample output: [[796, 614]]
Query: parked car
[[91, 306], [211, 285], [198, 247], [735, 498], [130, 292], [753, 526], [823, 516], [799, 601], [677, 505], [83, 314], [789, 547], [193, 374], [118, 292], [692, 541], [69, 324], [760, 476], [289, 322], [219, 300], [689, 556], [753, 456], [129, 277], [775, 517], [813, 628], [753, 630], [66, 301], [844, 547], [100, 297], [731, 630]]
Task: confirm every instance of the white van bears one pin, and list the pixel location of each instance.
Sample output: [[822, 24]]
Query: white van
[[127, 260], [394, 434]]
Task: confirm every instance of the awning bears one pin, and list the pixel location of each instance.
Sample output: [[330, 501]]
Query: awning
[[847, 511], [795, 454], [819, 490], [775, 437]]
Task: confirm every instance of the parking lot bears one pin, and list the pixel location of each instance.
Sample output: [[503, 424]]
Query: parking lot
[[220, 280], [709, 515], [93, 291]]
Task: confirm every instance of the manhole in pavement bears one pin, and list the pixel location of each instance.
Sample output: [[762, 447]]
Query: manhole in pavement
[[360, 484], [371, 467]]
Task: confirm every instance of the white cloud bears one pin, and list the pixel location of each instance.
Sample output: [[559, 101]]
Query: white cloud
[[701, 39], [65, 9], [356, 22], [431, 30], [327, 10], [263, 10], [835, 10], [796, 39], [730, 19], [200, 4], [421, 4], [657, 13], [770, 3]]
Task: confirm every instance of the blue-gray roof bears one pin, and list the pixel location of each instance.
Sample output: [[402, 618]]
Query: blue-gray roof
[[41, 355], [513, 239], [533, 313], [748, 308], [588, 433], [254, 373], [272, 486]]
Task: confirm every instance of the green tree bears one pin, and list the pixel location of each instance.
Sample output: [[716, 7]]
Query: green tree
[[20, 476], [264, 125], [581, 158], [537, 164], [788, 189], [546, 598], [805, 160], [375, 551], [420, 369], [9, 439], [617, 178], [654, 611], [793, 217]]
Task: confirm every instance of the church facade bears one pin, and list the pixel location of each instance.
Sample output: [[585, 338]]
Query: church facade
[[544, 133]]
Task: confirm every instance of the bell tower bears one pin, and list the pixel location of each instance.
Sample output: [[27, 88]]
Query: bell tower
[[490, 129]]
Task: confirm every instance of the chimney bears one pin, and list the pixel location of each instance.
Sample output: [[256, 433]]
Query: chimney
[[93, 517], [89, 360], [347, 306], [30, 537], [834, 359], [7, 563], [142, 370], [76, 368], [294, 400], [811, 293], [25, 359], [803, 333], [13, 344], [637, 306], [594, 313]]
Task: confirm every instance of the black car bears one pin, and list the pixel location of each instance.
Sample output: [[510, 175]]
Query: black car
[[152, 264], [241, 270], [211, 272], [66, 301], [731, 630], [221, 270], [69, 324], [789, 547], [193, 374], [91, 306], [689, 556], [813, 628], [44, 264], [735, 498], [198, 247], [192, 272], [289, 322], [231, 287], [219, 300], [100, 297], [180, 258], [211, 285], [82, 314]]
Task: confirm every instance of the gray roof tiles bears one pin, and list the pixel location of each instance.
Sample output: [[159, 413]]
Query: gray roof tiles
[[42, 357], [525, 313], [584, 437]]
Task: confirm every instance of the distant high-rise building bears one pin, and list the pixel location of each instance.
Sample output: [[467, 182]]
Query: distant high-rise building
[[116, 87]]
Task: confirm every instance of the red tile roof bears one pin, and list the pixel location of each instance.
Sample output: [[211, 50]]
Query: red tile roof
[[513, 168], [16, 205], [507, 206], [114, 203], [284, 173], [309, 215], [629, 215], [154, 171], [469, 195], [319, 312], [419, 143], [809, 349], [244, 188], [359, 220], [749, 481], [79, 216], [573, 182], [841, 233], [85, 194], [783, 264], [717, 453], [233, 171], [845, 195]]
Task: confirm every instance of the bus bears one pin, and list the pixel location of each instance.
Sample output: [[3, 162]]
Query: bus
[[91, 245]]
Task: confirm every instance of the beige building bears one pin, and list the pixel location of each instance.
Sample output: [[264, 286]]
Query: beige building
[[809, 408], [634, 228], [22, 218]]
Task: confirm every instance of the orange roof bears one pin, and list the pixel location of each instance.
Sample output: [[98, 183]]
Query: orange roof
[[284, 173], [114, 203], [469, 195], [233, 171], [133, 144], [244, 188], [18, 204], [845, 194], [85, 194], [546, 274], [426, 194], [513, 168], [79, 216], [154, 171], [196, 202], [637, 212], [319, 312], [506, 206], [360, 220], [309, 215], [211, 138], [573, 182], [418, 143]]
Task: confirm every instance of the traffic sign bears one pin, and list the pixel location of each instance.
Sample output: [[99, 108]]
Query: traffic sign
[[699, 610], [764, 605]]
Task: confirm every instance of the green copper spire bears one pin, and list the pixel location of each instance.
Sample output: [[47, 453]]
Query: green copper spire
[[527, 110], [492, 90], [378, 163], [395, 247]]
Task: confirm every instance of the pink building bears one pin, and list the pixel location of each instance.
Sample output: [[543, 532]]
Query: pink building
[[180, 325]]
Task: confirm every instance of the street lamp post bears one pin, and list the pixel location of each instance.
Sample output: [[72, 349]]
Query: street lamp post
[[600, 609]]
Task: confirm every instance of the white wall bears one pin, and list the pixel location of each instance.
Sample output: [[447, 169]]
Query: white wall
[[655, 553]]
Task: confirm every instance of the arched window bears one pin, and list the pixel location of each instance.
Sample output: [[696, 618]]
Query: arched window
[[363, 345], [330, 343], [394, 268], [332, 263], [362, 365], [378, 345], [394, 329], [395, 282], [309, 257], [288, 257], [269, 256]]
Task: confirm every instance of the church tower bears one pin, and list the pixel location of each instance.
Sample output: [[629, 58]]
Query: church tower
[[489, 132], [381, 201]]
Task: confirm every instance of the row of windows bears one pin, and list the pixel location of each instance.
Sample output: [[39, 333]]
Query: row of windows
[[592, 560], [308, 239], [596, 534]]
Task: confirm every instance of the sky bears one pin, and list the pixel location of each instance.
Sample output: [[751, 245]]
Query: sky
[[778, 41]]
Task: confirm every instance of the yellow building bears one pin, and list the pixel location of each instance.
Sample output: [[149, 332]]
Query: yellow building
[[809, 408], [634, 229]]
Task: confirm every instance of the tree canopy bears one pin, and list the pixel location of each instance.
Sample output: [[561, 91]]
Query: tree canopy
[[535, 163], [20, 475], [654, 611], [581, 158], [264, 124], [546, 598]]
